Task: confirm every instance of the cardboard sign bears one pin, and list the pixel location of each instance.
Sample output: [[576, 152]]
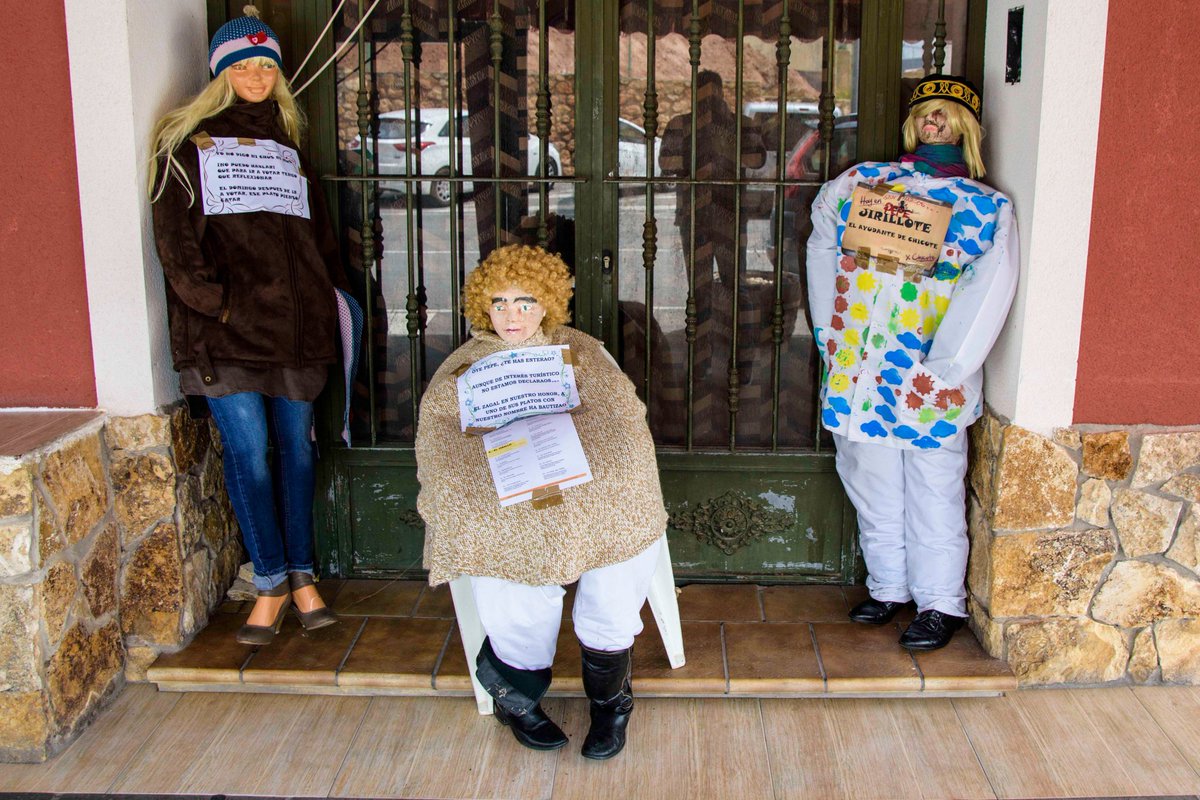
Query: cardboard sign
[[896, 226]]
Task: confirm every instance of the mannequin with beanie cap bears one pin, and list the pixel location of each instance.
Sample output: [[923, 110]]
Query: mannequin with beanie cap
[[252, 305], [903, 353]]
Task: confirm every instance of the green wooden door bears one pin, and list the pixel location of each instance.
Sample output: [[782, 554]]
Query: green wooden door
[[669, 149]]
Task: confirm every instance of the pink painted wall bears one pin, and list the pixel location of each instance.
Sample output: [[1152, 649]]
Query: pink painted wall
[[1139, 351], [46, 346]]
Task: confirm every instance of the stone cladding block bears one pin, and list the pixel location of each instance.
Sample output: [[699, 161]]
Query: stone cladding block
[[1048, 574], [76, 486], [1065, 650], [152, 589], [190, 439], [1035, 483], [1068, 438], [56, 598], [24, 726], [1143, 664], [16, 544], [989, 632], [137, 433], [1138, 593], [1145, 523], [1106, 455], [979, 563], [99, 572], [212, 475], [144, 485], [1094, 499], [1186, 485], [20, 653], [16, 491], [50, 541], [198, 591], [985, 437], [190, 510], [138, 659], [82, 672], [1186, 548], [1178, 643], [1163, 455]]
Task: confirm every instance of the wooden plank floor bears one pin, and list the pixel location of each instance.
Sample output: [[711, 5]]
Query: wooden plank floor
[[1112, 742], [740, 640]]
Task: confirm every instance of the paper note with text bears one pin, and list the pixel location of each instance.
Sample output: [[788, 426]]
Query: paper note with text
[[514, 384], [535, 454], [242, 175]]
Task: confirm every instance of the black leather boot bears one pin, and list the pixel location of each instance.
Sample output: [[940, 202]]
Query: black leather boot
[[518, 694], [606, 681]]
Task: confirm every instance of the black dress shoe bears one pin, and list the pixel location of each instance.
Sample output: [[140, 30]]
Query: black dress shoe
[[930, 630], [533, 728], [875, 612]]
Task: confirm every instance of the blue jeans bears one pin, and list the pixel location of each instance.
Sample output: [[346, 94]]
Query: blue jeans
[[273, 510]]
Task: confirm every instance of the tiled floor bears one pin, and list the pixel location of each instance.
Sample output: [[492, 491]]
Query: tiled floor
[[1117, 742], [399, 637]]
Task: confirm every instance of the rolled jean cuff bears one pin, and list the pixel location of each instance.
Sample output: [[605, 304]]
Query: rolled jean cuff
[[307, 569], [265, 583]]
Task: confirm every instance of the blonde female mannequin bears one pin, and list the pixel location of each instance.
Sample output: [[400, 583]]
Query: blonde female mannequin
[[251, 265]]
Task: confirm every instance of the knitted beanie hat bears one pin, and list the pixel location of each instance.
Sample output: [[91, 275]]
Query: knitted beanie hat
[[241, 38]]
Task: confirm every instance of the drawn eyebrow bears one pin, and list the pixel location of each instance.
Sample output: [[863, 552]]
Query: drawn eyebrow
[[514, 300]]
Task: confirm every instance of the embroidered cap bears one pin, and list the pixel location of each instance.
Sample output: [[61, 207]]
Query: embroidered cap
[[948, 87], [241, 38]]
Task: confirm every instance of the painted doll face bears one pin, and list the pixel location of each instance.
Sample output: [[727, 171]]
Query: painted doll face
[[515, 313], [933, 127], [253, 81]]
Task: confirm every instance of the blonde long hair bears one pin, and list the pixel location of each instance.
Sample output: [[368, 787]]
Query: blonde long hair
[[962, 124], [175, 126]]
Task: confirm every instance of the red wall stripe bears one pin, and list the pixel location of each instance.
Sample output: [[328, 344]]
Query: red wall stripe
[[1139, 350], [46, 350]]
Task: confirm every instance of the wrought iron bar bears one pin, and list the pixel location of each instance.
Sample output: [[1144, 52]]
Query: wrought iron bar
[[533, 179], [543, 122], [939, 38], [783, 57], [366, 229], [455, 155], [496, 45], [690, 309], [650, 226], [412, 307], [735, 378], [825, 107]]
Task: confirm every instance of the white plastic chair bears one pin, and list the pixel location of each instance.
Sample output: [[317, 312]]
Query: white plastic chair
[[663, 604]]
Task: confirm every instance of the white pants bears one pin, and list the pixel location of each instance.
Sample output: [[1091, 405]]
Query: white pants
[[912, 520], [522, 621]]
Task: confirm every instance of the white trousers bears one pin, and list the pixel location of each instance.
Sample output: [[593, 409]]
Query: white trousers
[[912, 520], [522, 621]]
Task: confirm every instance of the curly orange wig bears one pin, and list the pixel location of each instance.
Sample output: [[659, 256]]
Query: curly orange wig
[[542, 274]]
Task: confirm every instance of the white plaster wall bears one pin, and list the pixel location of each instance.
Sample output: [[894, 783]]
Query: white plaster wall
[[1041, 150], [131, 60]]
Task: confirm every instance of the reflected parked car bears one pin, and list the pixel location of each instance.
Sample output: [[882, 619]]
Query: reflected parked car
[[631, 150], [804, 163], [432, 156]]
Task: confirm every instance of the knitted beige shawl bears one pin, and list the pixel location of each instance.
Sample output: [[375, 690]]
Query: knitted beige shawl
[[608, 520]]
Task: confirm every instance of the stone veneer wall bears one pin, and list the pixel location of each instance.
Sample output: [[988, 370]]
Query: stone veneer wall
[[116, 542], [1085, 558]]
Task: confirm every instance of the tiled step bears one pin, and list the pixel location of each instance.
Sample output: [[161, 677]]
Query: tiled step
[[399, 638]]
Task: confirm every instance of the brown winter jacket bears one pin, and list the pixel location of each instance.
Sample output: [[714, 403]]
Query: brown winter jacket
[[252, 289]]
